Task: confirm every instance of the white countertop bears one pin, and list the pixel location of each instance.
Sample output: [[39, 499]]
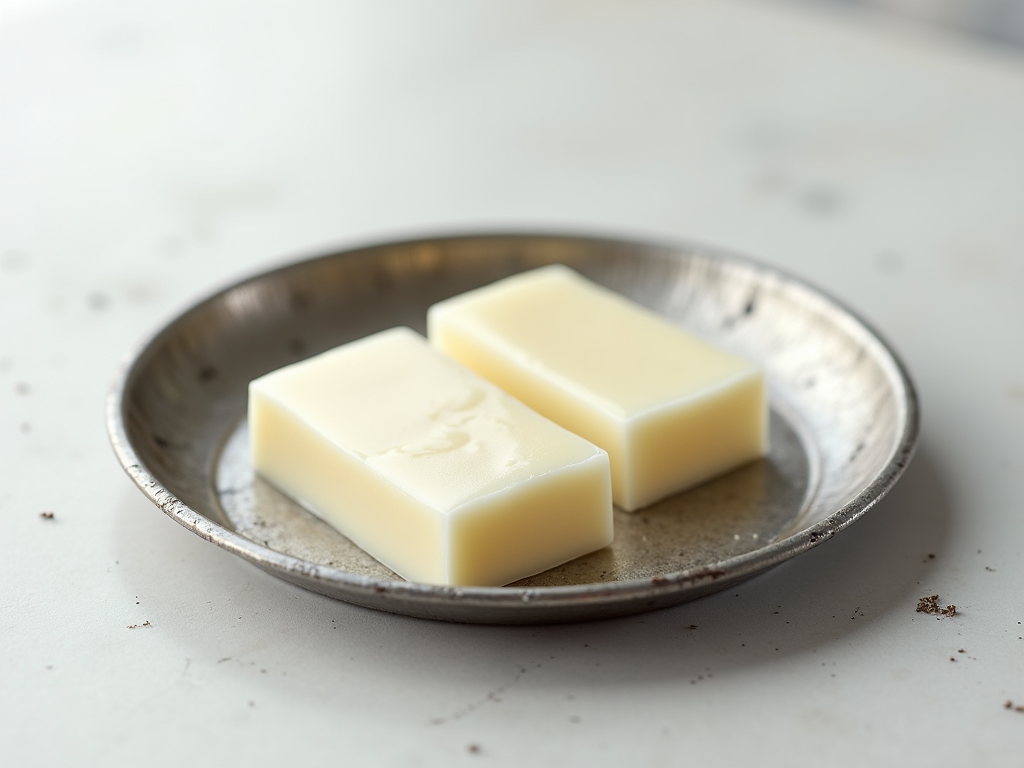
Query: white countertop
[[150, 152]]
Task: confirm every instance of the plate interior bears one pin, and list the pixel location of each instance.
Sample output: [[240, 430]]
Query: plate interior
[[729, 516]]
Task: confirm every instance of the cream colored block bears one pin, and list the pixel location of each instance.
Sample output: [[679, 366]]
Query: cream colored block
[[437, 473], [670, 409]]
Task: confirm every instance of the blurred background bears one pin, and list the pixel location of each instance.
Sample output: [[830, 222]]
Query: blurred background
[[1000, 21]]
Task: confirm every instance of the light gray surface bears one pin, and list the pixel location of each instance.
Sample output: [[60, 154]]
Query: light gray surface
[[1001, 21], [150, 152], [844, 421]]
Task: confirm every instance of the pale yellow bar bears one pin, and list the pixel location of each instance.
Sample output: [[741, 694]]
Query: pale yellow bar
[[437, 473], [671, 410]]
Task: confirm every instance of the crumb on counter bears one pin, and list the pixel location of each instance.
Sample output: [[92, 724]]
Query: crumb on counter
[[931, 605]]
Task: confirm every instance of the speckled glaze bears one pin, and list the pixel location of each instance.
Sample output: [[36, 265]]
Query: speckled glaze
[[844, 421]]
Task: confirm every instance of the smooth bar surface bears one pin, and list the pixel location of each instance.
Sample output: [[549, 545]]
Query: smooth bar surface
[[671, 410]]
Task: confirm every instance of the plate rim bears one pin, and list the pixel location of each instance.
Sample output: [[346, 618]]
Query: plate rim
[[509, 598]]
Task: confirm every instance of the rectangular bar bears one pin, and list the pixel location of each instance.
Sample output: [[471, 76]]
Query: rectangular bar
[[671, 410], [435, 472]]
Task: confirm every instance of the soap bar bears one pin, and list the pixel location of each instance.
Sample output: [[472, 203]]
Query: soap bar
[[671, 410], [435, 472]]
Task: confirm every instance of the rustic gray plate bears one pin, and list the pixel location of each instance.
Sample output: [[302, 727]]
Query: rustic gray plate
[[844, 421]]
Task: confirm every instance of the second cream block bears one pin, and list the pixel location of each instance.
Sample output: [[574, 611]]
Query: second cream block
[[670, 410]]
